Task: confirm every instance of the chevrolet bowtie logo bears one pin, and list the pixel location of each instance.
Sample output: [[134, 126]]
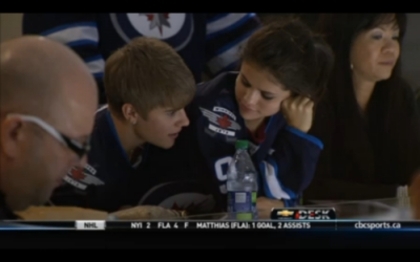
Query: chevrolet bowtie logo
[[285, 213]]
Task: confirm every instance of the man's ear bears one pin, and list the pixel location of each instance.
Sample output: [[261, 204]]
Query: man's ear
[[130, 114], [10, 131]]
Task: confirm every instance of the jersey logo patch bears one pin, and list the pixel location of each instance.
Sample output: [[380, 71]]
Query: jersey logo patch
[[158, 20], [81, 178], [174, 28], [221, 123]]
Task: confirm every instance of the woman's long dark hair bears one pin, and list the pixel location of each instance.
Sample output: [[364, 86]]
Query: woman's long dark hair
[[391, 109], [293, 54]]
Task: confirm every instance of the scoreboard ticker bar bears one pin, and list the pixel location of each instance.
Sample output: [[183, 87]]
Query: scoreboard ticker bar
[[281, 220], [182, 226]]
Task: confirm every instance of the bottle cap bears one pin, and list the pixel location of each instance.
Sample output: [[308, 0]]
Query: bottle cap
[[241, 144]]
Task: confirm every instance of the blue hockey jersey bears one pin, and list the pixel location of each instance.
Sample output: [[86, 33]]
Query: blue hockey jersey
[[286, 158], [208, 43], [110, 181]]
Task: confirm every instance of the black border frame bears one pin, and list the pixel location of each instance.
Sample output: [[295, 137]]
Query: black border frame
[[208, 239], [201, 240]]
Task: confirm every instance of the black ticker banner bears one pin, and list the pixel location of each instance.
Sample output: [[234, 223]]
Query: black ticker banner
[[179, 226], [281, 220]]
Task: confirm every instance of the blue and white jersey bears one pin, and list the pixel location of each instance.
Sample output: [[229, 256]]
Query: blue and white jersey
[[285, 157], [110, 181], [208, 43]]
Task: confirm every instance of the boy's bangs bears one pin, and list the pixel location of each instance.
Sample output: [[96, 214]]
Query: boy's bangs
[[178, 99]]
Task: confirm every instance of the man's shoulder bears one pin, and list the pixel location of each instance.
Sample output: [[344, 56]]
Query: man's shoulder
[[105, 163], [104, 148], [104, 143], [101, 115]]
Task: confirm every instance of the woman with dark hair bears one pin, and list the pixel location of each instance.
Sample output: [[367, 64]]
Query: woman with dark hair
[[368, 121], [269, 102]]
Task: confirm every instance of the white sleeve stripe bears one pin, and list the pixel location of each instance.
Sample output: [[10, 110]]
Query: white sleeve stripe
[[96, 66], [273, 184], [102, 107], [73, 34], [224, 22], [227, 57], [231, 28]]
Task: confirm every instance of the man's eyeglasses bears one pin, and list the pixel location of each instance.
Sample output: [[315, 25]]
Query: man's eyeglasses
[[77, 147]]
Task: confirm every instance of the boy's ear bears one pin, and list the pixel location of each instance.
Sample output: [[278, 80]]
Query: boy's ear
[[130, 113]]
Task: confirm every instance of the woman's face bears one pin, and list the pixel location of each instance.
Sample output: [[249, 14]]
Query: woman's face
[[257, 93], [375, 52]]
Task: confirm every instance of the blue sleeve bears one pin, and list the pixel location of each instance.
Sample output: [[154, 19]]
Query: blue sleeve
[[77, 31], [225, 35], [290, 166], [72, 192]]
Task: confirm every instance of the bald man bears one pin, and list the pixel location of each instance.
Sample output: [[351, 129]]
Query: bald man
[[47, 107]]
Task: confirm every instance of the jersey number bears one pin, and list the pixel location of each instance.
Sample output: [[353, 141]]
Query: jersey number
[[219, 167]]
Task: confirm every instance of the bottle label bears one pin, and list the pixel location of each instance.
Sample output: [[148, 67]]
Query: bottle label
[[242, 204]]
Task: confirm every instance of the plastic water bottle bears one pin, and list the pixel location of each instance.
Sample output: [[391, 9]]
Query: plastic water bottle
[[242, 185]]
